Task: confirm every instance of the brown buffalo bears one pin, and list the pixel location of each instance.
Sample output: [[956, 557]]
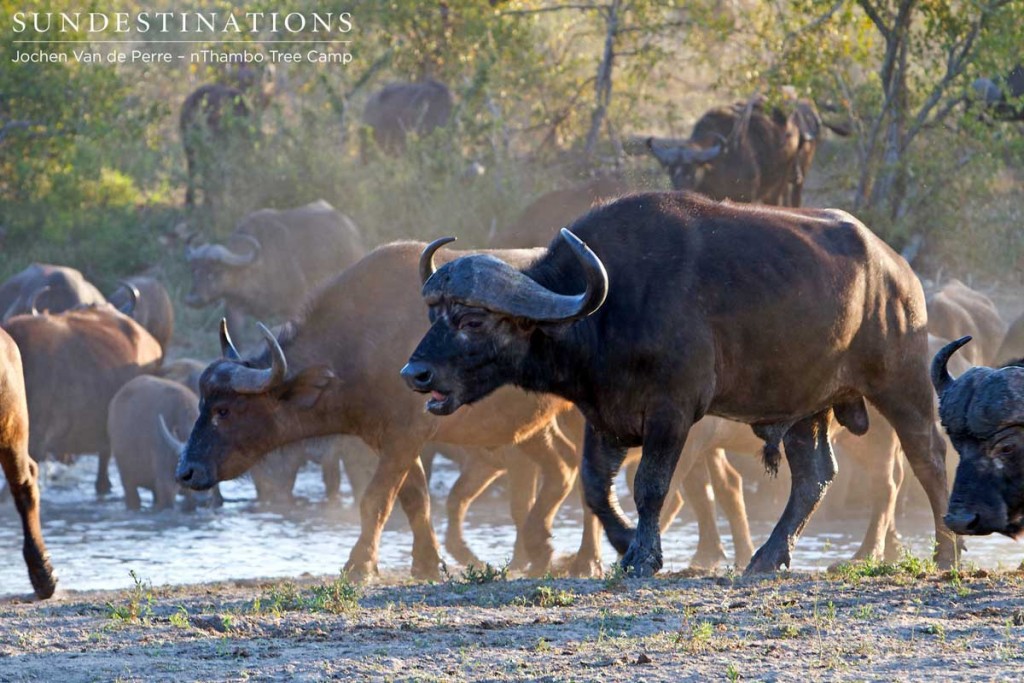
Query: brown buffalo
[[333, 371], [540, 221], [150, 305], [19, 468], [956, 311], [218, 128], [144, 419], [74, 364], [273, 260], [745, 153], [1012, 347], [398, 109], [46, 287]]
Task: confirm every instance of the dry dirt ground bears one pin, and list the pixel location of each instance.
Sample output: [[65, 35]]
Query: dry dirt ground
[[481, 626]]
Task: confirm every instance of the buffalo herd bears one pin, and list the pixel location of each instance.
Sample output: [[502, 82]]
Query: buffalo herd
[[655, 332]]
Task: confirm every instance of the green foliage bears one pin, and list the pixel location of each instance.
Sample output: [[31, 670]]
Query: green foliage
[[341, 596], [907, 566], [549, 596], [138, 604], [92, 170], [477, 576]]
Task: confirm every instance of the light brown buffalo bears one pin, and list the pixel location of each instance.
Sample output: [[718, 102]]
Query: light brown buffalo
[[144, 419], [334, 370], [74, 364], [19, 468], [149, 303], [956, 310]]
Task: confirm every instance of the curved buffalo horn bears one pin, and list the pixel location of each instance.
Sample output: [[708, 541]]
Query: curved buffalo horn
[[133, 297], [427, 266], [705, 155], [941, 379], [227, 347], [667, 155], [247, 380], [169, 438], [34, 299], [256, 247], [594, 273]]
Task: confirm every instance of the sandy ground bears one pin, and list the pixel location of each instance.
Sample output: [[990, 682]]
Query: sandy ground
[[684, 627]]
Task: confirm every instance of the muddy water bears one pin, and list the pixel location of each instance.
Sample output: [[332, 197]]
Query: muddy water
[[94, 544]]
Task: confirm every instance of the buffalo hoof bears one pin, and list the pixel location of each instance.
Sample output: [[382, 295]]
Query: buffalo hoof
[[585, 567], [427, 570], [361, 572], [707, 558], [641, 563], [767, 561], [44, 582], [103, 486], [520, 561]]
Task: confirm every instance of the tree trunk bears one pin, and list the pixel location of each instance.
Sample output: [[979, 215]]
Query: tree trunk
[[603, 86]]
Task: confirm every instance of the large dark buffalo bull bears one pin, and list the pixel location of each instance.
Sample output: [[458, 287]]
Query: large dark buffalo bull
[[273, 260], [333, 371], [672, 307], [19, 468], [46, 287], [74, 364], [401, 108], [983, 413]]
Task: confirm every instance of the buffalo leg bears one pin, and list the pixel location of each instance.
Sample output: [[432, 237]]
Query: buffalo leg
[[556, 457], [476, 475], [103, 473], [728, 486], [330, 472], [22, 474], [415, 500], [697, 485], [587, 561], [908, 408], [879, 462], [393, 465], [893, 544], [601, 462], [664, 438], [132, 501], [673, 506], [812, 466], [523, 477]]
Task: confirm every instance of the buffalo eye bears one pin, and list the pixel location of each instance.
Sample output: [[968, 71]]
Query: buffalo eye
[[471, 322], [222, 412], [1006, 448]]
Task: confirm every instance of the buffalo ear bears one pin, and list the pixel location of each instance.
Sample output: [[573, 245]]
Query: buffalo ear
[[305, 388]]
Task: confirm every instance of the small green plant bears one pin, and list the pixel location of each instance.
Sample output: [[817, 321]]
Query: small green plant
[[474, 575], [732, 673], [789, 631], [547, 596], [615, 577], [339, 596], [139, 605], [956, 580], [698, 640], [180, 618], [937, 630], [542, 645], [864, 612]]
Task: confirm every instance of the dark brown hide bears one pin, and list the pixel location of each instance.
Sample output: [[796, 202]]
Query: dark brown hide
[[20, 469], [153, 310], [74, 364]]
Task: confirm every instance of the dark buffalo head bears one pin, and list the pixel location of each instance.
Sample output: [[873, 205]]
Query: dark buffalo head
[[245, 411], [983, 413], [483, 315], [218, 270], [686, 161]]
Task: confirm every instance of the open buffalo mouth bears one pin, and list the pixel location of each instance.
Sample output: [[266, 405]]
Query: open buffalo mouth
[[441, 403]]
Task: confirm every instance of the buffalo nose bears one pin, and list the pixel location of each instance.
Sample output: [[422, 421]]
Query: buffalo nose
[[417, 375], [184, 474], [962, 522]]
